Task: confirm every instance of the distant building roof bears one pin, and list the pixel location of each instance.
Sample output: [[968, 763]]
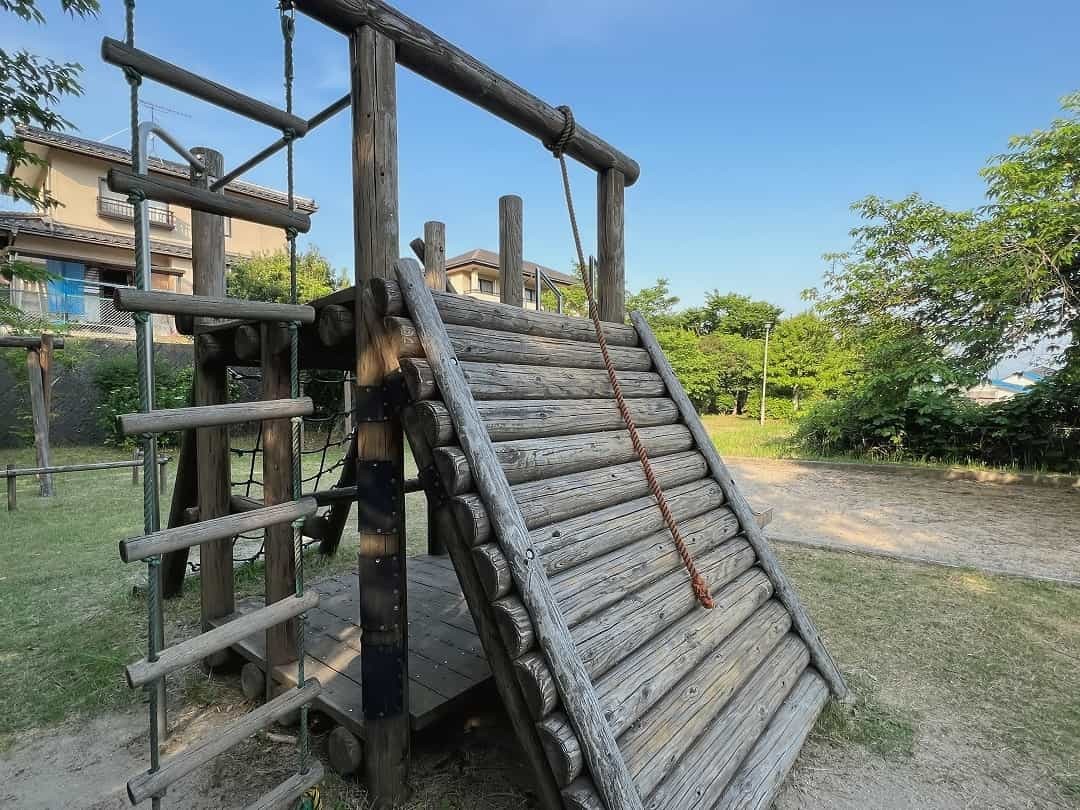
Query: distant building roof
[[103, 151], [1008, 386], [489, 258]]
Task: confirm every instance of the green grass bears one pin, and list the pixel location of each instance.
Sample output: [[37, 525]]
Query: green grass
[[742, 436]]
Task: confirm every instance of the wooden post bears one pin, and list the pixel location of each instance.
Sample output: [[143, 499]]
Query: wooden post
[[211, 388], [347, 401], [511, 278], [435, 278], [40, 418], [277, 488], [45, 355], [161, 476], [185, 495], [11, 489], [383, 593], [611, 262], [136, 454]]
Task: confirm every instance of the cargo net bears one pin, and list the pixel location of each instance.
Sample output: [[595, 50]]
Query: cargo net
[[325, 439]]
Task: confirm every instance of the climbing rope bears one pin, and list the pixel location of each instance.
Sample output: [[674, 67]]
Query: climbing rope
[[697, 581]]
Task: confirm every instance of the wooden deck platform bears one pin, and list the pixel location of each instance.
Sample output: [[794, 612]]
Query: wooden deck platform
[[446, 661]]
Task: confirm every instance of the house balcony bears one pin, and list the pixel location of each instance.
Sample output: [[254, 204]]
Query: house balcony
[[80, 306], [112, 208]]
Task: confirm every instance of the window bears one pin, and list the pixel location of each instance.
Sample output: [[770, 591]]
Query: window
[[487, 285], [228, 226], [530, 295], [113, 205]]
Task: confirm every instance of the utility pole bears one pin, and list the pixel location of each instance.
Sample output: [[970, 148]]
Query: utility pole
[[765, 371]]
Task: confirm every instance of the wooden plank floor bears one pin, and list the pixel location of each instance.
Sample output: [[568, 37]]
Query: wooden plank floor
[[446, 661]]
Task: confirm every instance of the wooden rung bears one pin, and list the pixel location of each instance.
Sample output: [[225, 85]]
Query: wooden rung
[[181, 537], [124, 181], [289, 790], [27, 342], [179, 765], [233, 413], [222, 637], [165, 303], [117, 53]]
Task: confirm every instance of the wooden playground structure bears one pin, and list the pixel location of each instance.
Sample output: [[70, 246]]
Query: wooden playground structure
[[566, 472]]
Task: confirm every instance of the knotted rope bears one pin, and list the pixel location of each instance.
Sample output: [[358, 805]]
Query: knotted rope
[[697, 581]]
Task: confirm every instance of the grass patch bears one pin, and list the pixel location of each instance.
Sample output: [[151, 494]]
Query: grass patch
[[742, 436], [885, 730]]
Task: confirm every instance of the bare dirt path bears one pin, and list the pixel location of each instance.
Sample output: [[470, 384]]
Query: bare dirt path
[[1002, 528]]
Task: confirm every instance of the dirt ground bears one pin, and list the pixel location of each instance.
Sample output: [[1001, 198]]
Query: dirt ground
[[1000, 528]]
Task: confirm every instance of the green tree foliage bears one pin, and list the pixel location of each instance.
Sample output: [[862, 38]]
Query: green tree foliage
[[736, 363], [731, 313], [656, 303], [806, 359], [266, 277], [117, 380], [694, 368]]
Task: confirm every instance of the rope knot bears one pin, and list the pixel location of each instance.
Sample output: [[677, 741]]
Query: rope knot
[[140, 317], [136, 196], [291, 233], [569, 127], [288, 135], [133, 76]]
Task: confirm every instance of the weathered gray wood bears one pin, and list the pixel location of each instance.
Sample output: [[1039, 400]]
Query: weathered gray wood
[[139, 548], [232, 413], [611, 264], [12, 489], [572, 542], [17, 472], [345, 751], [554, 499], [511, 256], [439, 61], [694, 776], [291, 789], [179, 765], [45, 359], [130, 299], [762, 773], [532, 418], [335, 325], [149, 66], [480, 345], [460, 310], [27, 342], [185, 496], [434, 257], [785, 591], [581, 795], [533, 459], [219, 638], [575, 686], [40, 418]]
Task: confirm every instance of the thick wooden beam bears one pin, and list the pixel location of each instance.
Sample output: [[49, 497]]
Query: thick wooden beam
[[40, 418], [185, 496], [45, 357], [205, 306], [511, 256], [611, 267], [292, 788], [27, 342], [435, 278], [426, 53], [234, 413]]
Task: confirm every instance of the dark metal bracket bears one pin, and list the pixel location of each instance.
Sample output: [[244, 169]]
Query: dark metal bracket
[[377, 490]]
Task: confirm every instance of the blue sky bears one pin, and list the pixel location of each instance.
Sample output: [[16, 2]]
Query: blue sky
[[756, 123]]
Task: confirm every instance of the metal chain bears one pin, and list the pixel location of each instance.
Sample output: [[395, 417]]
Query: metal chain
[[697, 581]]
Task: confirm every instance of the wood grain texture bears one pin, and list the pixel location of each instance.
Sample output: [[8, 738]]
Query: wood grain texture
[[185, 495], [511, 255], [233, 413], [785, 591], [40, 420], [291, 789], [130, 299], [434, 257], [611, 262], [335, 325]]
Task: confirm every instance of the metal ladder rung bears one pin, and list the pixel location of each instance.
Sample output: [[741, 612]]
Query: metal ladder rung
[[181, 537], [291, 788], [179, 765], [122, 55], [130, 299], [233, 413], [222, 637], [125, 181]]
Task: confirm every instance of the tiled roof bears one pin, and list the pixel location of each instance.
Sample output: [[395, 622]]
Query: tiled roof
[[489, 258], [103, 151]]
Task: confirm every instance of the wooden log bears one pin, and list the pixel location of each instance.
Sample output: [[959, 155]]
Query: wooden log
[[426, 53], [345, 751], [40, 418], [12, 489], [511, 256], [130, 299], [184, 496], [555, 499], [232, 413], [178, 765], [45, 358], [149, 66], [157, 188], [479, 345], [605, 638], [785, 591], [760, 777], [569, 543], [434, 256], [27, 342], [461, 310], [134, 464], [638, 681], [247, 349], [533, 419], [575, 685], [677, 711], [290, 790], [533, 459], [335, 325], [611, 264], [581, 795], [219, 638], [139, 548], [253, 682]]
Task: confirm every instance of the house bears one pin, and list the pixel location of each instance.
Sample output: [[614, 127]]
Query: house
[[87, 242], [476, 273], [1008, 386]]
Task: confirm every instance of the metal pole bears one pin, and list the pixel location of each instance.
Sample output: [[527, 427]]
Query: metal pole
[[765, 372]]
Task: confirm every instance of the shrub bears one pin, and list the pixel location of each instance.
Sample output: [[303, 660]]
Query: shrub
[[117, 381]]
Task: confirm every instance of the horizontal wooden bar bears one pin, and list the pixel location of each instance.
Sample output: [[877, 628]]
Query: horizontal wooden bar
[[461, 310], [233, 413], [125, 181], [289, 790], [180, 537], [118, 53], [220, 638], [66, 468], [426, 53], [179, 765], [166, 303], [27, 342]]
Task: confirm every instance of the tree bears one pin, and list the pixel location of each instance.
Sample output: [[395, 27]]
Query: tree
[[266, 277], [691, 365], [733, 314], [656, 303], [736, 365], [806, 358]]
